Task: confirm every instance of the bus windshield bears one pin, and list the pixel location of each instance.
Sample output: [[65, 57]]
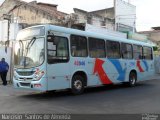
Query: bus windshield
[[29, 53], [31, 32]]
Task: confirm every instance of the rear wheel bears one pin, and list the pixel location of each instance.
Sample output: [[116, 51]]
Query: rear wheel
[[132, 79], [77, 84]]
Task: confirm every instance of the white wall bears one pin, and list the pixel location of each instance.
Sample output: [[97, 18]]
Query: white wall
[[13, 30], [125, 13], [3, 30]]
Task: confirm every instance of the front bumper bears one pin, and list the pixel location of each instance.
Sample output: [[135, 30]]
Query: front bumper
[[40, 85]]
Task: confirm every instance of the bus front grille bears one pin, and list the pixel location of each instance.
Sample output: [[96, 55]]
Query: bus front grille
[[25, 73], [25, 84]]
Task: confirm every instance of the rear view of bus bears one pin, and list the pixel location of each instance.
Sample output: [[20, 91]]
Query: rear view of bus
[[29, 59]]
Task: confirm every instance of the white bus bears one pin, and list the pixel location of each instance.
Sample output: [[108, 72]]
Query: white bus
[[48, 57]]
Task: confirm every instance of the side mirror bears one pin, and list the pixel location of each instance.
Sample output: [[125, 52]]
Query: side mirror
[[50, 38]]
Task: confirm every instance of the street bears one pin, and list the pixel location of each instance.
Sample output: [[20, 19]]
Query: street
[[119, 99]]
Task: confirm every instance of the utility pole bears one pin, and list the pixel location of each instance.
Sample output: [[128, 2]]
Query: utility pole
[[7, 43], [8, 18], [115, 17]]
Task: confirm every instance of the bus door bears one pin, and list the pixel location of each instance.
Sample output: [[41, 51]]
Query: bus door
[[57, 62]]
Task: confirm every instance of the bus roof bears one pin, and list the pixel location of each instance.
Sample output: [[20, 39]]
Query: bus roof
[[92, 34]]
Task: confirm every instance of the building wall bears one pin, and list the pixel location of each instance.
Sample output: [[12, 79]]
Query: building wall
[[96, 21], [155, 36], [94, 18], [106, 13], [7, 6], [26, 14], [125, 13], [3, 30], [122, 16], [32, 13], [81, 16], [31, 16], [152, 35], [49, 7]]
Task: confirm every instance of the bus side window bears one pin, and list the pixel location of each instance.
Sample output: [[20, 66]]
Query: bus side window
[[58, 50], [137, 52], [62, 50], [113, 49], [97, 48], [126, 51], [147, 53], [78, 46]]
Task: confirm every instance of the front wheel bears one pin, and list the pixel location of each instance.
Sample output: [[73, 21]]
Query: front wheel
[[132, 79], [77, 84]]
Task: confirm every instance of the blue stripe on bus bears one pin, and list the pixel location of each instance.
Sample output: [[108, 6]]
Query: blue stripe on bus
[[121, 71], [146, 65]]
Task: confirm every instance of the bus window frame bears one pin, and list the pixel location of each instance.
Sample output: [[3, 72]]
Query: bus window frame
[[136, 52], [68, 57], [151, 53], [127, 51], [104, 41], [119, 49], [87, 49]]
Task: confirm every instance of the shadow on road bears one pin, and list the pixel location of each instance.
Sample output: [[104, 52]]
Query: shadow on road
[[90, 90]]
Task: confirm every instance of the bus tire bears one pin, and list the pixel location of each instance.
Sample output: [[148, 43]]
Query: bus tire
[[77, 84], [132, 79]]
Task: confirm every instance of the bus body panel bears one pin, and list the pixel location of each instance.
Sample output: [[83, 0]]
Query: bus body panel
[[146, 70], [58, 76]]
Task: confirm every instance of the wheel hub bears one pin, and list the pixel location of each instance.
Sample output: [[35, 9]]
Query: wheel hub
[[78, 84], [133, 80]]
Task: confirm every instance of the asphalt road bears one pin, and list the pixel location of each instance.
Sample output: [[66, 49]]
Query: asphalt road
[[119, 99]]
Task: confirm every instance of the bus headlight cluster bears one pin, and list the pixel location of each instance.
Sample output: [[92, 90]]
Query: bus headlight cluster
[[38, 74], [15, 75]]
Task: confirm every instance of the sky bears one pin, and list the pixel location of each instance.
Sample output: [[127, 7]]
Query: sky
[[147, 11]]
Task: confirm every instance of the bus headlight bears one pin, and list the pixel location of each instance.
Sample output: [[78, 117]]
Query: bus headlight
[[15, 75], [38, 74]]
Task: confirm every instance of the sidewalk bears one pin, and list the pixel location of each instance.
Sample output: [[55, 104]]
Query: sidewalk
[[8, 81]]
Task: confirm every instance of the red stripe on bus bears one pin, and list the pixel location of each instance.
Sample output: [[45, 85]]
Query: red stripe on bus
[[98, 68], [139, 66]]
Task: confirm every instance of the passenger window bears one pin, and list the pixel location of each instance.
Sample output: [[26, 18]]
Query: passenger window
[[97, 48], [57, 50], [126, 50], [147, 53], [137, 52], [113, 49], [78, 46]]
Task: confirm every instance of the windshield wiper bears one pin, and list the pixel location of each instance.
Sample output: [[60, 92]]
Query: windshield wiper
[[29, 45], [21, 46]]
